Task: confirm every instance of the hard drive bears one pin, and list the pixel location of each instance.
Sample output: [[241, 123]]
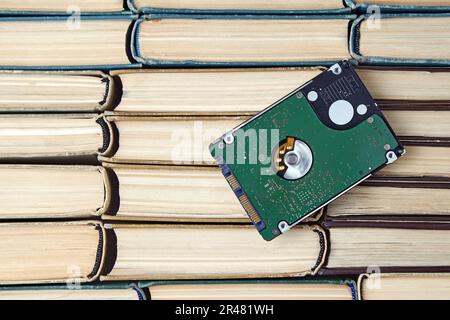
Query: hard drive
[[305, 150]]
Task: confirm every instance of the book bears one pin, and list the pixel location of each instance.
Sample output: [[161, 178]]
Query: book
[[185, 140], [220, 251], [406, 286], [399, 5], [241, 40], [285, 289], [428, 125], [54, 91], [52, 252], [389, 245], [253, 6], [76, 252], [205, 91], [199, 251], [37, 191], [182, 139], [31, 136], [100, 42], [197, 194], [248, 91], [263, 289], [227, 91], [121, 192], [394, 197], [67, 292], [119, 41], [258, 40], [421, 161], [401, 39], [200, 194], [398, 88], [60, 6]]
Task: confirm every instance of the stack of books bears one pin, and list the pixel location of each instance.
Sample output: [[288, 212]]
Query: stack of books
[[109, 191]]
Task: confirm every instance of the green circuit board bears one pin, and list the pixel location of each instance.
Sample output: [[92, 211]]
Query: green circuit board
[[333, 159]]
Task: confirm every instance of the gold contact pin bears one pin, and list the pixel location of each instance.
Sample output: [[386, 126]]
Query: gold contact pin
[[249, 209], [233, 182]]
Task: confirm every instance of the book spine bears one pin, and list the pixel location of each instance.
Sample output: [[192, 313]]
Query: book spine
[[354, 40], [100, 256], [359, 283], [110, 136], [324, 250], [112, 188], [110, 250], [109, 97]]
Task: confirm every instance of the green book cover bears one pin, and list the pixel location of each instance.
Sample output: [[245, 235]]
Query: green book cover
[[362, 7], [74, 291], [230, 7]]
